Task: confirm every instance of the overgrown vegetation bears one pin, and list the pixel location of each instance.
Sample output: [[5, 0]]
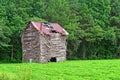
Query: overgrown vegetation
[[93, 26], [21, 73], [69, 70]]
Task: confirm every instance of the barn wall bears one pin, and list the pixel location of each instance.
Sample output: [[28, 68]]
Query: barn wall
[[45, 47], [41, 48], [58, 47], [30, 44], [53, 46]]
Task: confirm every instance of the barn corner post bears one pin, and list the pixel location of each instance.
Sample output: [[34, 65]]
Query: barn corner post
[[22, 46], [44, 42]]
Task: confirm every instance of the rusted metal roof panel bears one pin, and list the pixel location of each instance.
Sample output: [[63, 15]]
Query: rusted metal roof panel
[[43, 28]]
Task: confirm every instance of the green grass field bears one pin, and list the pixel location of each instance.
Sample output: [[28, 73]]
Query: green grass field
[[68, 70]]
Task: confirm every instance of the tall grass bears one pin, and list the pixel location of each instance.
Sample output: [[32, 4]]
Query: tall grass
[[22, 74], [6, 76]]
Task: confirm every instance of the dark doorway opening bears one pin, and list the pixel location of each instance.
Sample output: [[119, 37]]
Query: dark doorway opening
[[53, 59]]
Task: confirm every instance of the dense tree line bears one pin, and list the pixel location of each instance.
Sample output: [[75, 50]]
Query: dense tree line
[[93, 26]]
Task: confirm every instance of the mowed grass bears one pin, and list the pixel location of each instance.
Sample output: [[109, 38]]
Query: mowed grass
[[68, 70]]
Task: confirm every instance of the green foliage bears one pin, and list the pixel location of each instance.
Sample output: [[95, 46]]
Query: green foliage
[[96, 34], [93, 26], [37, 19], [57, 11], [5, 34]]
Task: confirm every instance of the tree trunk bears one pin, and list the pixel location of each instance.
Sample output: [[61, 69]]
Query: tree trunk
[[12, 53], [84, 49]]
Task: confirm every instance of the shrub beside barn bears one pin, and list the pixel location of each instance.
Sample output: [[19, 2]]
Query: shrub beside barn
[[44, 42]]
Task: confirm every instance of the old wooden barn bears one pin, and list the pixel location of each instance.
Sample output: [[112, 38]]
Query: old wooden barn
[[44, 42]]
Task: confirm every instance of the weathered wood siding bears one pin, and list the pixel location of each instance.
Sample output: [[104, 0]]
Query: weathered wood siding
[[53, 46], [40, 47], [58, 47], [45, 47], [30, 44]]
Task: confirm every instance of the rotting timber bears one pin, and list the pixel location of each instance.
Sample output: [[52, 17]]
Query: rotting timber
[[40, 47]]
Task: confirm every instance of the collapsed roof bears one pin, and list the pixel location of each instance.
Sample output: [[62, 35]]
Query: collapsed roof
[[47, 28]]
